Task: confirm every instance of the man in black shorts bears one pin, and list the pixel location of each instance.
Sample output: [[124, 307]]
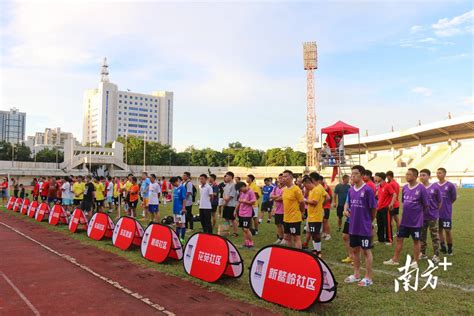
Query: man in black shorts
[[89, 194], [230, 201]]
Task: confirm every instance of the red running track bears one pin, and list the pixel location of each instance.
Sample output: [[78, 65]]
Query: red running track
[[35, 280]]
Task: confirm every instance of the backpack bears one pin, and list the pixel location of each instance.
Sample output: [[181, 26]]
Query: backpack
[[168, 220], [194, 193]]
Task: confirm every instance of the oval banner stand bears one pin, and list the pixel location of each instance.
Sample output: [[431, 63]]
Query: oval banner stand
[[41, 211], [176, 251], [57, 215], [10, 203], [329, 284], [235, 268], [100, 226], [159, 243], [206, 257], [32, 209], [77, 218], [24, 206], [287, 277], [17, 205], [127, 231]]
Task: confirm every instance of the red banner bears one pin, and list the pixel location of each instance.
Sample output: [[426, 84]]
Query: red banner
[[17, 205], [329, 284], [161, 242], [57, 215], [32, 209], [127, 231], [10, 203], [289, 277], [24, 206], [42, 211], [100, 226], [207, 257], [77, 218]]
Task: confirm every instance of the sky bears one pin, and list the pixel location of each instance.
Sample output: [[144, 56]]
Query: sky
[[236, 68]]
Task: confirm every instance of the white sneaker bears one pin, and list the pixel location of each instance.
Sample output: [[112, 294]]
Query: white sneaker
[[423, 257], [323, 235], [259, 220], [351, 279], [388, 244], [390, 262], [435, 259], [327, 237], [283, 242], [278, 242]]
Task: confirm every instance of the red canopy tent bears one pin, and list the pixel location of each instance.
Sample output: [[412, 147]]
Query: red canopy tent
[[337, 129], [340, 128]]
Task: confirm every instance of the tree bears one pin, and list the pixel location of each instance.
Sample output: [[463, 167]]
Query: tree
[[22, 152], [49, 155], [234, 155]]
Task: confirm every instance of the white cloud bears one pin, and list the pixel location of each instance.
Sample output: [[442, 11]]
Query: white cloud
[[233, 67], [458, 25], [431, 36], [416, 29], [423, 91]]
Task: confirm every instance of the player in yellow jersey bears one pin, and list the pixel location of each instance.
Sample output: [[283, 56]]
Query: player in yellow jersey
[[78, 190], [99, 194], [293, 207], [315, 201]]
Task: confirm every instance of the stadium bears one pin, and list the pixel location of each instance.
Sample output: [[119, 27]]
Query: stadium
[[448, 144]]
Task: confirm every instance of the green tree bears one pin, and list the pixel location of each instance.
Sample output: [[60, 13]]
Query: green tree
[[22, 152], [49, 155]]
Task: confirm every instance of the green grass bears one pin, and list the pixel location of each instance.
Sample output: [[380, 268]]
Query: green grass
[[380, 298]]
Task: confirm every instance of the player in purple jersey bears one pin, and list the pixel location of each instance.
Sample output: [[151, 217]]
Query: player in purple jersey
[[362, 205], [415, 202], [430, 218], [448, 194]]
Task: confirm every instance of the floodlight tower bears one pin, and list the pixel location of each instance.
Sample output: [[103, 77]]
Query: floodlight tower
[[310, 57]]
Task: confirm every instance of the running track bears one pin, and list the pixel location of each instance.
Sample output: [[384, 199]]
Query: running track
[[44, 272]]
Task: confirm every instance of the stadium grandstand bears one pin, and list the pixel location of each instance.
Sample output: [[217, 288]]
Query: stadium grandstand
[[448, 144]]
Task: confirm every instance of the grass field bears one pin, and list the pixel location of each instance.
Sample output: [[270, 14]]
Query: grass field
[[380, 298]]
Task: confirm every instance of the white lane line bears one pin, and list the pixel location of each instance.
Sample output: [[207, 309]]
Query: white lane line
[[115, 284], [20, 294], [469, 289]]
